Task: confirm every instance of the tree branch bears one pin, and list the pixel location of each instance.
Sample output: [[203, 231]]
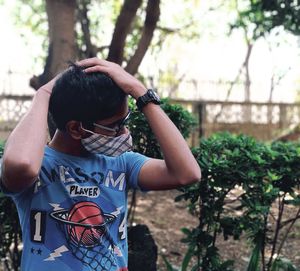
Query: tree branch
[[292, 220], [277, 229], [288, 231], [169, 30], [152, 17], [91, 50], [122, 29]]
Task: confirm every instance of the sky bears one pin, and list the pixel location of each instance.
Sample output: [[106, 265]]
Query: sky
[[222, 58], [213, 57]]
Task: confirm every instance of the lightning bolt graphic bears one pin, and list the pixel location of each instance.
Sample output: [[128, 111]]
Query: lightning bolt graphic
[[55, 206], [57, 253], [117, 211]]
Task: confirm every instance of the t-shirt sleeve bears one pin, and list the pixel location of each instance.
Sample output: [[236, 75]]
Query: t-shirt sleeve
[[134, 162]]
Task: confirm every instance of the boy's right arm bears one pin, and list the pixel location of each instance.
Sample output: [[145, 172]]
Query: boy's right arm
[[24, 149]]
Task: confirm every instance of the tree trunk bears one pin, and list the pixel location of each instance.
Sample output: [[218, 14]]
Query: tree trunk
[[270, 107], [152, 17], [248, 81], [247, 84], [61, 22], [248, 111], [122, 28]]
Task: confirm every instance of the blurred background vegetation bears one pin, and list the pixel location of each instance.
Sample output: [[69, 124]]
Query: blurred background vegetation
[[243, 51]]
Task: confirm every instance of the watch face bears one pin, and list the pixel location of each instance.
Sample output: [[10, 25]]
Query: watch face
[[154, 94]]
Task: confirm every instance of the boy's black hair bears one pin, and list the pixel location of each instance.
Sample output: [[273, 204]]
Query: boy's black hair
[[85, 97]]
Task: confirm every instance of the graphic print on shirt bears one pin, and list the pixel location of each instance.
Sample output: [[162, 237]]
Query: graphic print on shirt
[[85, 227], [75, 180]]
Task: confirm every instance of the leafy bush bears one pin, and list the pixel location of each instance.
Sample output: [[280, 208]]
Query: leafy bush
[[10, 232], [241, 180]]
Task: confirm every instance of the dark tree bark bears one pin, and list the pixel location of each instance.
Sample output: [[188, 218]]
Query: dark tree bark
[[152, 17], [122, 29], [91, 50], [61, 22]]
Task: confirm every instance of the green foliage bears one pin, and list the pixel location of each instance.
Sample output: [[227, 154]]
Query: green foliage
[[31, 20], [10, 232], [254, 260], [143, 138], [265, 15], [1, 148], [283, 13], [241, 180], [282, 264], [185, 263]]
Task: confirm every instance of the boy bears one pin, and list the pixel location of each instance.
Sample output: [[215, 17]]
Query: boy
[[71, 195]]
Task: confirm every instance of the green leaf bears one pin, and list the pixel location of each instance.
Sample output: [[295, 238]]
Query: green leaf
[[255, 258], [187, 258], [168, 264], [186, 231], [196, 267], [283, 264]]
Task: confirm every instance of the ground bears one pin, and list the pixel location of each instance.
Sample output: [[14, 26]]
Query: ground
[[165, 218]]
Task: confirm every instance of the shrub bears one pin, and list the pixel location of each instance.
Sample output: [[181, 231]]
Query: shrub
[[10, 232], [260, 175]]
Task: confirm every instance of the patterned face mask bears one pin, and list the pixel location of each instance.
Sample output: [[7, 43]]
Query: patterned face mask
[[107, 145]]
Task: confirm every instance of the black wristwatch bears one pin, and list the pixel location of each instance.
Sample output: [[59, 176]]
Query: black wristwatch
[[149, 97]]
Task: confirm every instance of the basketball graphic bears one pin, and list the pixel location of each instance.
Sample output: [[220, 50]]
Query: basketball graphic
[[85, 227], [87, 213], [85, 223]]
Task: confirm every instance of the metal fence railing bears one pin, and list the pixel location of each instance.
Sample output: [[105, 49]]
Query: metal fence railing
[[262, 120]]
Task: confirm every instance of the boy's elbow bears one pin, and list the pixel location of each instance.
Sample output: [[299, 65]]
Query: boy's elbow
[[18, 175], [193, 176]]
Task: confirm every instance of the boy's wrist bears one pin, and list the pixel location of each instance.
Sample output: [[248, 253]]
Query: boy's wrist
[[149, 97], [44, 90], [138, 92]]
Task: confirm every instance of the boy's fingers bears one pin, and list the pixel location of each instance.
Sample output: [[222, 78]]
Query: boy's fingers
[[92, 62], [97, 68]]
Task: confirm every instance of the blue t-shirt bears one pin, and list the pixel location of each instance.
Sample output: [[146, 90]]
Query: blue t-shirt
[[74, 217]]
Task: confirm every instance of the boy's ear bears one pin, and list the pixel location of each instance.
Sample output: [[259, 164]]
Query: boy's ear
[[73, 127]]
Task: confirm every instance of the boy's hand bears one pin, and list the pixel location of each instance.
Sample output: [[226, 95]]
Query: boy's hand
[[123, 79]]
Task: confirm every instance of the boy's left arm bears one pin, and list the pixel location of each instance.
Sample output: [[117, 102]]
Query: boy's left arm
[[179, 166]]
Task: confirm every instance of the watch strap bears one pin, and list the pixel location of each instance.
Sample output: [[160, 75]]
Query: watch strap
[[149, 97]]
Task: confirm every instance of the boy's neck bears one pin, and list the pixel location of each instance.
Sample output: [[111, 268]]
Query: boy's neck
[[64, 143]]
